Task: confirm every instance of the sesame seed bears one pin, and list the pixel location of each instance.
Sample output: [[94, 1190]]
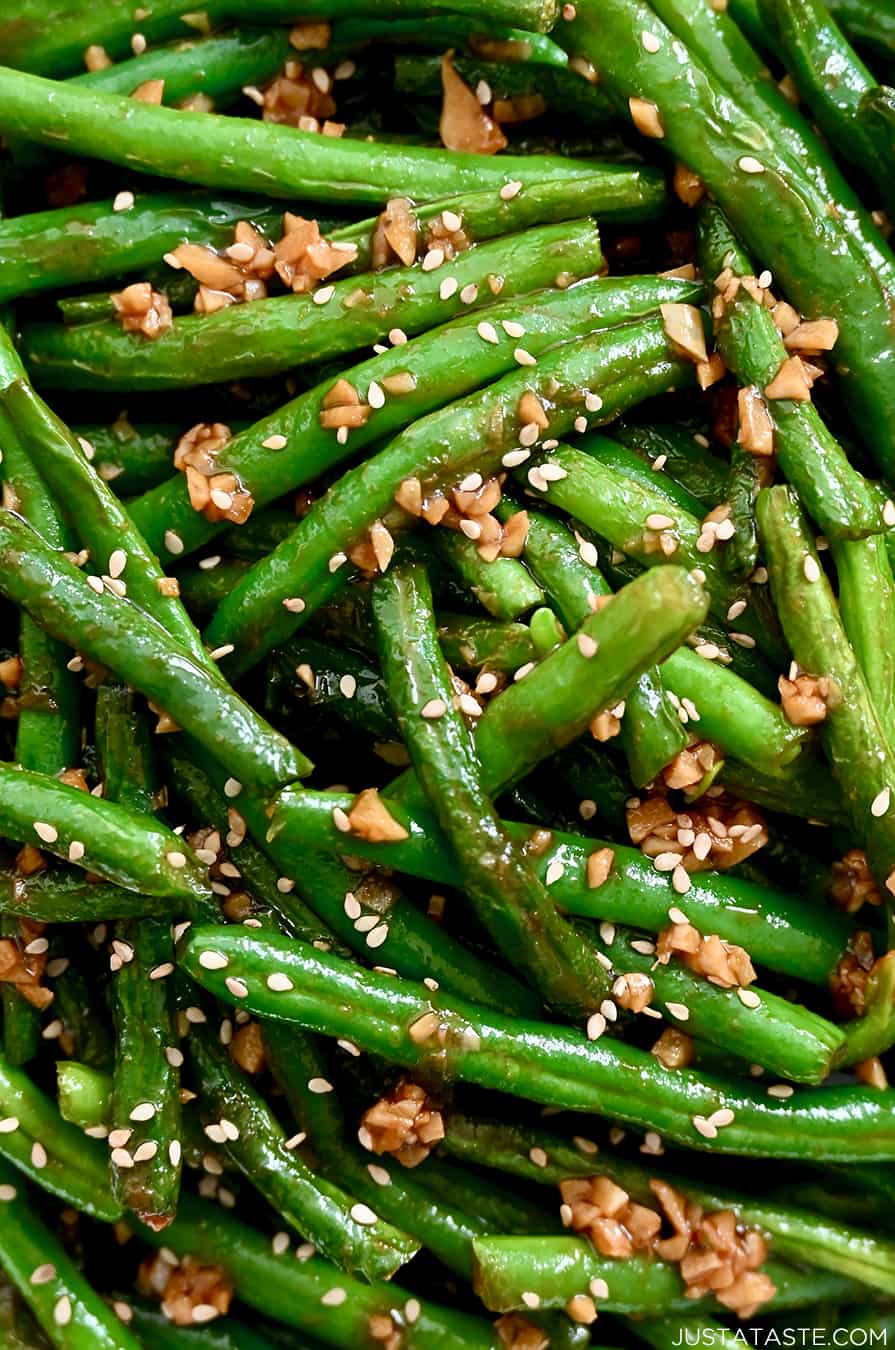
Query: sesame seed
[[513, 458], [145, 1151], [471, 528], [433, 259], [680, 880], [448, 288], [656, 521], [176, 859], [319, 1086], [512, 329], [580, 424], [680, 1011], [555, 870], [721, 1118], [412, 1310], [279, 1243], [7, 1193], [173, 542], [117, 562], [553, 473], [120, 1158], [210, 960], [397, 337], [175, 1152], [470, 706], [43, 1274], [705, 1127], [48, 833], [487, 332], [279, 982], [363, 1214], [435, 708], [274, 442], [341, 821], [748, 164], [334, 1297], [452, 221], [531, 1300], [592, 402], [524, 358], [765, 279], [780, 1090], [595, 1026], [742, 639], [295, 1140], [469, 293], [677, 915], [238, 988], [811, 568], [122, 201], [138, 44], [205, 1312], [524, 670], [218, 653], [62, 1311], [38, 1155], [880, 804], [599, 1288], [510, 190], [323, 295], [889, 513], [587, 645], [749, 998], [377, 936], [336, 561], [650, 42], [142, 1111]]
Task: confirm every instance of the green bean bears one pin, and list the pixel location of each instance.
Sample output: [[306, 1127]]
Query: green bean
[[145, 1106], [95, 513], [796, 1234], [203, 588], [50, 1151], [852, 735], [471, 643], [72, 1314], [86, 1031], [134, 458], [64, 896], [867, 610], [513, 906], [29, 40], [281, 332], [245, 155], [786, 1038], [687, 461], [294, 1292], [747, 477], [834, 493], [219, 66], [556, 1269], [447, 363], [557, 87], [84, 1094], [440, 31], [831, 78], [651, 732], [118, 844], [344, 682], [620, 509], [72, 245], [504, 587], [155, 1329], [114, 632], [873, 1033], [351, 1235], [635, 463], [780, 931], [626, 365], [556, 1066], [870, 22], [834, 267], [405, 938]]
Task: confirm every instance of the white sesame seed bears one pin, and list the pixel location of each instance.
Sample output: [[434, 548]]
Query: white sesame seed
[[531, 1300], [336, 561], [524, 358], [145, 1151], [117, 562], [323, 295], [592, 402], [765, 279], [587, 645], [238, 988], [580, 424], [889, 513], [811, 568], [363, 1214], [650, 42], [705, 1127], [680, 1011], [333, 1298], [657, 521], [279, 982], [62, 1311], [470, 706], [595, 1026], [680, 880], [487, 332], [510, 190], [38, 1155], [347, 686], [274, 442], [721, 1118], [377, 936], [538, 1157], [295, 1140], [319, 1086], [512, 329], [742, 639], [397, 337], [341, 821], [435, 708], [173, 542], [210, 960], [881, 802], [448, 288], [469, 294], [176, 859], [433, 259], [471, 528], [521, 673], [279, 1243], [555, 870], [677, 915], [43, 1274], [122, 201], [513, 458], [142, 1111], [780, 1090], [749, 998], [748, 164], [7, 1193], [48, 833]]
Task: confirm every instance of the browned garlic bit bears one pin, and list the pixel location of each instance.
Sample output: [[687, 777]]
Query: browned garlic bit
[[517, 1333], [714, 833], [606, 725], [673, 1049], [688, 186], [143, 310], [407, 1123], [723, 963], [691, 765], [756, 431], [301, 98], [217, 494], [24, 968], [304, 257], [445, 236], [369, 819], [806, 699], [464, 124], [247, 1048], [848, 983], [310, 37], [853, 884], [396, 234], [191, 1293], [633, 991], [716, 1255], [791, 381]]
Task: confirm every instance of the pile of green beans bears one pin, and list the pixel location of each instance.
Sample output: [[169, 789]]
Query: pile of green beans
[[447, 674]]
